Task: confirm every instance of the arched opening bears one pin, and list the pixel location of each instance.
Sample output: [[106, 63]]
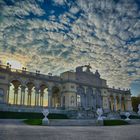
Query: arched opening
[[81, 97], [14, 94], [90, 98], [30, 94], [43, 99], [56, 97]]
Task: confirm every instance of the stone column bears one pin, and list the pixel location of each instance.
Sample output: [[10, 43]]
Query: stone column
[[15, 95], [8, 91], [22, 95], [29, 96], [41, 97], [115, 102], [36, 96], [120, 102], [49, 97]]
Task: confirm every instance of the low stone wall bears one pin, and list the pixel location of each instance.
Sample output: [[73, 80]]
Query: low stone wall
[[13, 108]]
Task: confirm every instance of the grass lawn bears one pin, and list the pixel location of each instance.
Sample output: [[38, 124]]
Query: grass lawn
[[33, 121], [114, 122]]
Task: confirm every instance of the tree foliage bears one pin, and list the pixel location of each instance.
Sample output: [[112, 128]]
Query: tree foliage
[[135, 103]]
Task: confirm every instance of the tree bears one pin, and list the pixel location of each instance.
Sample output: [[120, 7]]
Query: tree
[[135, 103]]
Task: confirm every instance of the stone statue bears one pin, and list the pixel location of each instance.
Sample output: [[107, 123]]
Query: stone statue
[[139, 109], [79, 69], [45, 120], [99, 113], [88, 67], [97, 73]]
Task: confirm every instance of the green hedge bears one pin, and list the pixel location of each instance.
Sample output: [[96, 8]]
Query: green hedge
[[114, 122], [29, 115], [33, 121]]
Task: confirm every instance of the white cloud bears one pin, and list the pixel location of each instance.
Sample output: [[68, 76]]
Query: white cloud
[[105, 33]]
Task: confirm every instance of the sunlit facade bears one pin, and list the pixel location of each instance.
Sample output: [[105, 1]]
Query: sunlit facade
[[79, 89]]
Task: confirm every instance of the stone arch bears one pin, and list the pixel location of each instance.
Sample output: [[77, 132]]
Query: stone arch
[[43, 99], [56, 97], [81, 97], [30, 93], [90, 102], [16, 79], [14, 91]]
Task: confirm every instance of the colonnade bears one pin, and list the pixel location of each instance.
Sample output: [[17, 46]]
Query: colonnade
[[117, 102], [29, 94], [88, 97]]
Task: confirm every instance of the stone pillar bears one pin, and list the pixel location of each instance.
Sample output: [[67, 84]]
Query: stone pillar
[[15, 95], [36, 96], [29, 96], [8, 91], [115, 102], [49, 97], [41, 97], [120, 102], [22, 95], [124, 103]]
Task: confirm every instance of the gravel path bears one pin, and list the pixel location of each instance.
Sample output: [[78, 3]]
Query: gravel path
[[16, 130]]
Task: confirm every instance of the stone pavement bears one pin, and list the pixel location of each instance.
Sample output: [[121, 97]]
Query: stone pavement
[[14, 130]]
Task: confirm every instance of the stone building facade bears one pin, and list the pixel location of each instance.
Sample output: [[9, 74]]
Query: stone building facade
[[79, 89]]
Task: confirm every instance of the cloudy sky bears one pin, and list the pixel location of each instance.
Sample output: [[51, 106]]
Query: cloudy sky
[[58, 35]]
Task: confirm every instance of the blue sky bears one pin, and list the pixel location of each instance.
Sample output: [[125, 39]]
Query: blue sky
[[58, 35]]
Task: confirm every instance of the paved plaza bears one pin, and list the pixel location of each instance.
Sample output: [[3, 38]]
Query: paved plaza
[[15, 130]]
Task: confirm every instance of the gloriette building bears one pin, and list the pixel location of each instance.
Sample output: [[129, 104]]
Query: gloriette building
[[79, 89]]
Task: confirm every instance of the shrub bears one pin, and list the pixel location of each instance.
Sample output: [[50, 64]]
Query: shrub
[[114, 122]]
